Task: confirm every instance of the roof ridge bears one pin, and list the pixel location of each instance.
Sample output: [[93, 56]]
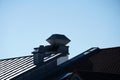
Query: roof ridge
[[112, 47]]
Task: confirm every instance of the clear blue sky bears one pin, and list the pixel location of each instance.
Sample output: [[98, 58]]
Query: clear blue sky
[[25, 24]]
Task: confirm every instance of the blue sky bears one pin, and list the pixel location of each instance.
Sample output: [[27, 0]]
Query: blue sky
[[25, 24]]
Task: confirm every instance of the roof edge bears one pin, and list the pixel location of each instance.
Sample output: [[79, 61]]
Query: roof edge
[[16, 57], [111, 47]]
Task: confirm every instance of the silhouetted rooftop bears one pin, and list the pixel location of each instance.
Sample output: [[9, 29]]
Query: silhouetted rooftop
[[103, 60]]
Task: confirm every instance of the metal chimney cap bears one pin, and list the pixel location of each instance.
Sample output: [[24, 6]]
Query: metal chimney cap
[[58, 39]]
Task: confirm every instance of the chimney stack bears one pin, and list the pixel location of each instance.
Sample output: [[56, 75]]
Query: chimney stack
[[57, 50], [39, 54]]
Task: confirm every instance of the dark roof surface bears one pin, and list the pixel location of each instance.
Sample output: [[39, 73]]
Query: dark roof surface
[[13, 67], [107, 60]]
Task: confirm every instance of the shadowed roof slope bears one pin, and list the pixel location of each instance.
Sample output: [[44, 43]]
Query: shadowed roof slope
[[93, 61]]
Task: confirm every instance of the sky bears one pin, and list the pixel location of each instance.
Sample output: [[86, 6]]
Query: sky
[[26, 24]]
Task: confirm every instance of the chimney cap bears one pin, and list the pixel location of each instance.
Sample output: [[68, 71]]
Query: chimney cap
[[58, 39]]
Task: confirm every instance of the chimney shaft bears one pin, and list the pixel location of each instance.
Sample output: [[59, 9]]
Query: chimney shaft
[[39, 54], [57, 45]]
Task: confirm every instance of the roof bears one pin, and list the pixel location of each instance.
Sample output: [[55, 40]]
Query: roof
[[107, 60], [20, 66], [13, 67], [61, 69]]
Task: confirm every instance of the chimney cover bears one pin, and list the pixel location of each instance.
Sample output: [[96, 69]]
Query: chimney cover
[[58, 39]]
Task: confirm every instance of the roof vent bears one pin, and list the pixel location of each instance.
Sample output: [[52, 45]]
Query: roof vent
[[56, 51], [58, 39]]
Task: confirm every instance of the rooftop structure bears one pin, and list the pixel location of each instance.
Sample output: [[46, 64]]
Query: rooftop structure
[[50, 62]]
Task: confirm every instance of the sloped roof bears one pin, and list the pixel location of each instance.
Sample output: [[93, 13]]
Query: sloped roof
[[13, 67], [107, 60]]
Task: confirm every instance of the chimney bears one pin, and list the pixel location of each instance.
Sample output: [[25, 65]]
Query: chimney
[[57, 50], [60, 41], [39, 54]]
